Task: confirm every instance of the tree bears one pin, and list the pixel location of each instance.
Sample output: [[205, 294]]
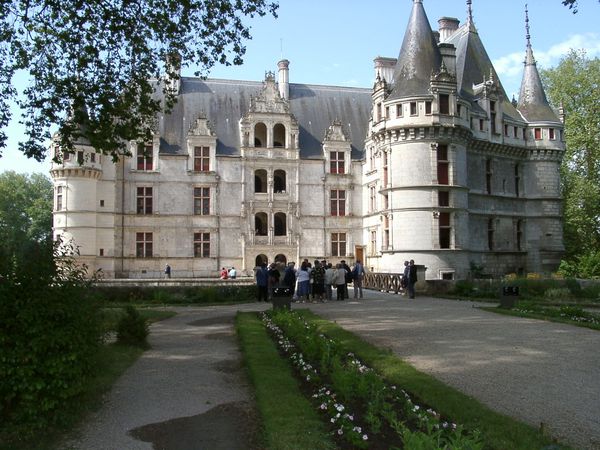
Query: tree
[[572, 4], [95, 65], [575, 85], [25, 221]]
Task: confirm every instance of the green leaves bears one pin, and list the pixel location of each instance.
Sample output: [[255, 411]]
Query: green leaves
[[575, 85], [96, 66]]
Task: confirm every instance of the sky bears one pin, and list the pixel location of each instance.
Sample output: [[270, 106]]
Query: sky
[[334, 42]]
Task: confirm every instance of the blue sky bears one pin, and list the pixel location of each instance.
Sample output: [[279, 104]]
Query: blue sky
[[333, 42]]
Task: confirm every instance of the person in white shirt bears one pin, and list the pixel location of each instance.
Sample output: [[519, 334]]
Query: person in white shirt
[[232, 273]]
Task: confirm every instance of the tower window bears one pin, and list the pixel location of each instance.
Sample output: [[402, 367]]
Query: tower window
[[444, 229], [280, 224], [338, 202], [399, 110], [537, 134], [413, 108], [59, 198], [201, 201], [427, 107], [144, 200], [551, 134], [442, 164], [444, 104], [488, 176], [338, 244], [490, 234], [443, 198]]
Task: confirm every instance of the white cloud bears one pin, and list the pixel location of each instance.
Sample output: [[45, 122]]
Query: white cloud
[[511, 65]]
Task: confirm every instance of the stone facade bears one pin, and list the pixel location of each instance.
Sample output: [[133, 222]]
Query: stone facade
[[434, 163]]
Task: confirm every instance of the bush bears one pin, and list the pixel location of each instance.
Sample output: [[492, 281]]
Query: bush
[[49, 334], [557, 294], [133, 329]]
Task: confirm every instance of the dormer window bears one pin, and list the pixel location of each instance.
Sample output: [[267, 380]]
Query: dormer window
[[337, 162], [144, 157], [279, 135], [260, 135], [537, 134]]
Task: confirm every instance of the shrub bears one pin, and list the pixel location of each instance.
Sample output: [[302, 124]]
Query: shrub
[[557, 294], [132, 329], [463, 287], [49, 334]]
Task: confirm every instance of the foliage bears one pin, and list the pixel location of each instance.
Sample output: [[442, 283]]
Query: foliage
[[585, 266], [25, 220], [49, 333], [573, 84], [95, 65], [133, 329], [177, 295], [572, 4]]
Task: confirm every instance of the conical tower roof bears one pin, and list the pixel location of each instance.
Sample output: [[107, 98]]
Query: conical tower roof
[[533, 104], [419, 56]]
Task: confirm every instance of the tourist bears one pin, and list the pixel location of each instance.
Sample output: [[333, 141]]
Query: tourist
[[168, 271], [289, 276], [412, 278], [262, 282], [405, 277], [224, 273], [303, 282], [357, 275], [273, 277], [329, 274], [232, 273], [318, 277], [348, 278], [339, 279]]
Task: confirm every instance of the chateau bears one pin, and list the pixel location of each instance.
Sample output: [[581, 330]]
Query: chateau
[[434, 163]]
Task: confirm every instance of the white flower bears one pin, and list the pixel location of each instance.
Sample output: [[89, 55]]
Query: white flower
[[323, 406], [340, 431], [365, 437]]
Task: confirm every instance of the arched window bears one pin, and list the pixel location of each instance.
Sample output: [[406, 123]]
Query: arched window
[[279, 182], [260, 181], [260, 260], [279, 135], [260, 224], [280, 224], [260, 135], [280, 258]]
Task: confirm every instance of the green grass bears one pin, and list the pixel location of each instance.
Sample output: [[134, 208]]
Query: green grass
[[498, 431], [541, 316], [289, 420]]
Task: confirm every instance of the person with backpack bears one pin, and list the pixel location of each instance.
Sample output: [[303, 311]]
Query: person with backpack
[[357, 275]]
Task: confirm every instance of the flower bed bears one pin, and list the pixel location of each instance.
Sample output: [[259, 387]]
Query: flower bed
[[573, 314], [363, 411]]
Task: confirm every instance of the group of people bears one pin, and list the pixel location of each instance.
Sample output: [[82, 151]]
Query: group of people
[[228, 273], [311, 282]]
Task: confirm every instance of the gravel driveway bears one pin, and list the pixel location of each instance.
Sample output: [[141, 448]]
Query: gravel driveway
[[190, 392]]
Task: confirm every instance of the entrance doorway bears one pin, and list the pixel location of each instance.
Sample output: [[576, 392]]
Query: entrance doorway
[[359, 254]]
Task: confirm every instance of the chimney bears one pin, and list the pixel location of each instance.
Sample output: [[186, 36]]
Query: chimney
[[173, 72], [448, 25], [448, 52], [284, 79], [384, 67]]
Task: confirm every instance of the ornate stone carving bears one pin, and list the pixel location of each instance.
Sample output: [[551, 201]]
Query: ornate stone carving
[[201, 127]]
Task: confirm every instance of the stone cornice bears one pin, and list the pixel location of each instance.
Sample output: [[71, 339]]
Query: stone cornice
[[77, 172]]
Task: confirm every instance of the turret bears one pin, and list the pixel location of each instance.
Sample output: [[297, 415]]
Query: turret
[[284, 79]]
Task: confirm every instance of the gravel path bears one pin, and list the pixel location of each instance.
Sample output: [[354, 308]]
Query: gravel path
[[190, 392], [535, 371]]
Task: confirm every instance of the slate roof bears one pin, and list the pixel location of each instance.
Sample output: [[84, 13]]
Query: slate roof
[[419, 57], [224, 102]]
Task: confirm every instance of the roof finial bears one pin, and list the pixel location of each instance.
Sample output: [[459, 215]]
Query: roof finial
[[469, 11], [527, 35]]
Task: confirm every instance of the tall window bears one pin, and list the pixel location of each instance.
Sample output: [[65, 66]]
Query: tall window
[[428, 107], [444, 229], [519, 235], [144, 200], [59, 198], [338, 244], [537, 134], [337, 162], [413, 108], [144, 157], [202, 201], [260, 224], [399, 110], [373, 243], [260, 181], [279, 183], [201, 245], [279, 135], [517, 179], [444, 104], [442, 164], [490, 234], [386, 232], [338, 202], [488, 176], [493, 116], [551, 134], [443, 198], [384, 155], [143, 245], [280, 224], [201, 159], [372, 199]]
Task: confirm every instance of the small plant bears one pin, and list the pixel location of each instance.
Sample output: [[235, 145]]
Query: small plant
[[132, 329], [557, 294]]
